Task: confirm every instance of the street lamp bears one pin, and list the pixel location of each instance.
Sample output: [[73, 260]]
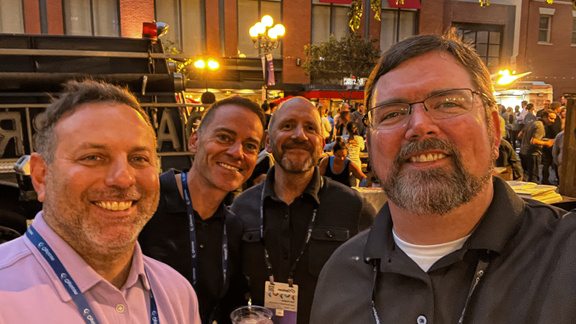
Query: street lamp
[[206, 65], [266, 37]]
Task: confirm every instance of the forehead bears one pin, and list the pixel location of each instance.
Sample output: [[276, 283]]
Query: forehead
[[105, 123], [298, 110], [416, 77], [231, 115]]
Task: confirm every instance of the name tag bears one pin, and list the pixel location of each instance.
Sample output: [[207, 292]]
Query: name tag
[[283, 301]]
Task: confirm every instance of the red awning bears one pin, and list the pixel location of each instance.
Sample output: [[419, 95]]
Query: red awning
[[281, 100], [408, 4], [319, 94], [337, 1]]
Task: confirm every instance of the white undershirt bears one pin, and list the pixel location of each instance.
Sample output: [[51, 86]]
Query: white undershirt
[[426, 255]]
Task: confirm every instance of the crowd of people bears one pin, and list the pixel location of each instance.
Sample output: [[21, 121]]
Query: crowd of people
[[116, 242], [538, 135]]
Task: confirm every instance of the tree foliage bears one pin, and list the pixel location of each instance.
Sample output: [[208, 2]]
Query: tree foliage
[[351, 56]]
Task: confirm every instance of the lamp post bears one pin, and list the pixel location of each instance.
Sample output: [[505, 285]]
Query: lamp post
[[266, 38], [206, 65]]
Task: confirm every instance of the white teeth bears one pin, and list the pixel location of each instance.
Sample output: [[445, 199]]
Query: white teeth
[[229, 167], [114, 205], [427, 157]]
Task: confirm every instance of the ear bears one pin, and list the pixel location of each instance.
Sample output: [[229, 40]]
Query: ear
[[38, 168], [193, 142], [267, 143], [497, 131]]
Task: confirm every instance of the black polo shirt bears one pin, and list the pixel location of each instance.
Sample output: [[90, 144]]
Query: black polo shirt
[[341, 214], [530, 277], [166, 238]]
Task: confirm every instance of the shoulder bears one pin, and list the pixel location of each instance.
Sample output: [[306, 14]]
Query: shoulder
[[248, 201], [339, 191], [170, 279], [12, 252]]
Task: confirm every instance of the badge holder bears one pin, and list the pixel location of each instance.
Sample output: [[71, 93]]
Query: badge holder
[[282, 299]]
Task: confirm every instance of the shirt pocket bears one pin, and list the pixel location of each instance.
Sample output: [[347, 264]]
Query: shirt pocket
[[323, 242]]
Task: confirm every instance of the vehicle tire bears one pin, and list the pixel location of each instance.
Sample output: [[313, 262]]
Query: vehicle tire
[[12, 225]]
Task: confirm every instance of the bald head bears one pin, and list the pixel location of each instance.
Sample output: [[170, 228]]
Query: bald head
[[300, 102]]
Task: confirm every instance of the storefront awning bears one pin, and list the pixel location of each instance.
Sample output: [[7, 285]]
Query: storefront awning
[[408, 4], [326, 94]]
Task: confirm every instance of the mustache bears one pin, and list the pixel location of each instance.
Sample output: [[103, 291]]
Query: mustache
[[298, 145], [420, 146]]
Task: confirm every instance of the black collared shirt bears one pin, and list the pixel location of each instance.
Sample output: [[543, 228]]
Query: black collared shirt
[[166, 238], [530, 277], [341, 214]]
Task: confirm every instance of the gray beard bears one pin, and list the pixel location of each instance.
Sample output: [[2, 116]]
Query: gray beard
[[435, 191], [287, 165]]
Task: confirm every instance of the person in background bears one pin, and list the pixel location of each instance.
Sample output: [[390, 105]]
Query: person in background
[[562, 115], [551, 132], [96, 174], [326, 127], [344, 120], [557, 150], [266, 107], [331, 120], [338, 167], [273, 107], [193, 230], [358, 119], [531, 148], [296, 216], [507, 157], [520, 117], [355, 144]]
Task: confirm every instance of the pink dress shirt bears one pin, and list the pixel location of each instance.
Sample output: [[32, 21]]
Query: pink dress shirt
[[30, 292]]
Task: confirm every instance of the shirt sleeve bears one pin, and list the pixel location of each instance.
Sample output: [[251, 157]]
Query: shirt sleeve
[[540, 132], [556, 148], [360, 141]]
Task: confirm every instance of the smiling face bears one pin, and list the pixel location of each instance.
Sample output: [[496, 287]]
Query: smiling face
[[432, 166], [295, 138], [227, 149], [102, 186], [341, 155]]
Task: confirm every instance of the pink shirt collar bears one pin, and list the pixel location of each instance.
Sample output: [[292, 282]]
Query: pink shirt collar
[[84, 276]]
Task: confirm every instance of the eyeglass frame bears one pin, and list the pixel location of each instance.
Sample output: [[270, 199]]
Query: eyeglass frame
[[474, 92]]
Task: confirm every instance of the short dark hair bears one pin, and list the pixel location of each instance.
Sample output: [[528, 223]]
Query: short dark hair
[[338, 145], [74, 95], [554, 105], [546, 113], [265, 106], [450, 43], [235, 101], [524, 102], [350, 128], [273, 105], [529, 106]]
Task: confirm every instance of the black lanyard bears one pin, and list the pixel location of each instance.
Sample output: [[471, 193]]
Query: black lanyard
[[480, 270], [70, 285], [306, 241], [193, 241]]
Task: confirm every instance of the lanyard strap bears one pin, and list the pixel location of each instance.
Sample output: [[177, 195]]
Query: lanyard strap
[[70, 285], [193, 240], [480, 270], [267, 255]]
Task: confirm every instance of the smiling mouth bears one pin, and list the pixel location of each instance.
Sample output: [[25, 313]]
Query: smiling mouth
[[229, 167], [115, 205], [427, 157]]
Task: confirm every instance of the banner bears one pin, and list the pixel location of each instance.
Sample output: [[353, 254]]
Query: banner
[[270, 70]]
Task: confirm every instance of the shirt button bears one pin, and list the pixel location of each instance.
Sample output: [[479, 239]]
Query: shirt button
[[286, 216], [201, 246], [120, 308], [329, 234], [421, 319]]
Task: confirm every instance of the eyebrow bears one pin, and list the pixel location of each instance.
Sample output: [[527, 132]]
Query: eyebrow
[[88, 146], [404, 100]]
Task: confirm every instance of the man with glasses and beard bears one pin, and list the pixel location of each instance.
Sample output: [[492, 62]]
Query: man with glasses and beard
[[453, 244], [295, 219]]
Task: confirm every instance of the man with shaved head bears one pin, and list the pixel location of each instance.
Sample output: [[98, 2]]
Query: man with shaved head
[[295, 219]]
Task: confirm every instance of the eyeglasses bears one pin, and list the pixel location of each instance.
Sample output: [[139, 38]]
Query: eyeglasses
[[443, 105]]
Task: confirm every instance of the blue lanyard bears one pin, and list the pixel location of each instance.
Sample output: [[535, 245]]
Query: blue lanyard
[[77, 296], [194, 242]]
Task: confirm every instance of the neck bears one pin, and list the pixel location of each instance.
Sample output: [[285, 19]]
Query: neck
[[113, 266], [438, 229], [205, 201], [288, 186]]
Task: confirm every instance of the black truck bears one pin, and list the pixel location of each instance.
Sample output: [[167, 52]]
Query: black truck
[[32, 71]]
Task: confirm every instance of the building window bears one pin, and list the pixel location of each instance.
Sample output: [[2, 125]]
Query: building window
[[487, 40], [91, 17], [249, 13], [187, 25], [574, 31], [329, 19], [11, 16], [396, 25], [544, 29]]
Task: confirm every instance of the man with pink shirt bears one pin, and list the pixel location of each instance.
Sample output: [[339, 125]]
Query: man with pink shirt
[[95, 172]]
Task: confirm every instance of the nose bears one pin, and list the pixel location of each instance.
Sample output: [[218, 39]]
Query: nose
[[299, 133], [236, 150], [121, 173], [421, 125]]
